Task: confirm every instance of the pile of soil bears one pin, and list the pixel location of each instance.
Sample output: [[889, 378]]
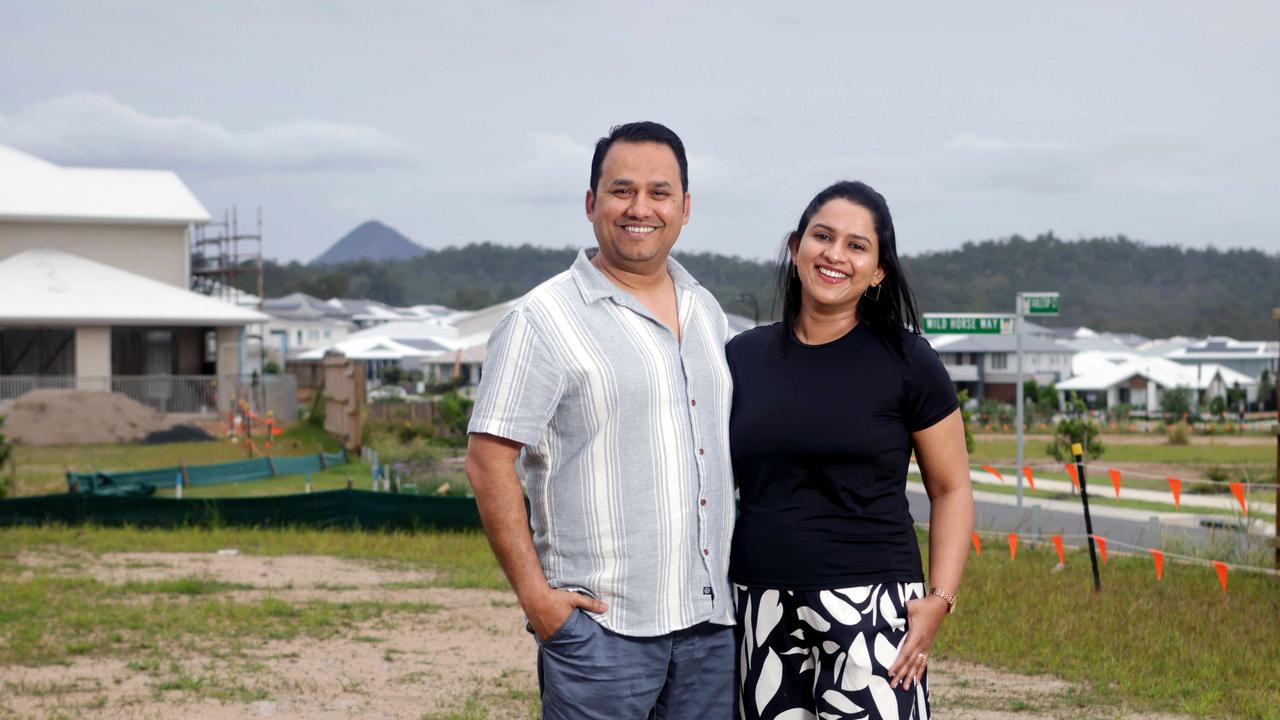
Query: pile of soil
[[79, 417]]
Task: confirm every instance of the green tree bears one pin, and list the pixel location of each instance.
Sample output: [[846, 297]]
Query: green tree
[[392, 374], [1266, 391], [1075, 430], [1175, 403], [965, 417], [1217, 406], [454, 412]]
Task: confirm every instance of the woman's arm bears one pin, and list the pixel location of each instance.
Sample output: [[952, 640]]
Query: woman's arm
[[944, 464]]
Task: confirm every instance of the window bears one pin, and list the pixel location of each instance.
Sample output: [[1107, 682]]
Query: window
[[999, 361]]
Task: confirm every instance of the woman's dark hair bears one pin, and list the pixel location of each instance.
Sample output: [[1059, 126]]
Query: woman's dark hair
[[895, 306]]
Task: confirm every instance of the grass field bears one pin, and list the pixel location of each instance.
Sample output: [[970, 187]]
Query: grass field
[[1180, 644], [1261, 454]]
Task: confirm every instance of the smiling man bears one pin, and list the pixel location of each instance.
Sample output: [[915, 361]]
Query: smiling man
[[608, 383]]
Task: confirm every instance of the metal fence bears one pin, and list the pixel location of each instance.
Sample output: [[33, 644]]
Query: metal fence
[[195, 394]]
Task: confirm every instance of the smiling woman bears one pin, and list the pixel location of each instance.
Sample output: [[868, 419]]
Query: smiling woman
[[828, 407]]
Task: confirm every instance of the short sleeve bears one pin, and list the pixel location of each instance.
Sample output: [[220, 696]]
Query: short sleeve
[[520, 383], [928, 395]]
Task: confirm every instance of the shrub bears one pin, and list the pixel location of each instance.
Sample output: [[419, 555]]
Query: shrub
[[1217, 406], [1175, 403], [271, 368], [454, 412], [1179, 433], [965, 417], [1075, 430], [5, 449]]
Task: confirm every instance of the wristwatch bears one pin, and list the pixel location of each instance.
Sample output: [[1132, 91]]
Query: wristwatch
[[950, 597]]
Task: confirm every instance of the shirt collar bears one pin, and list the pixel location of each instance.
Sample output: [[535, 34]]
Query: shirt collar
[[595, 286]]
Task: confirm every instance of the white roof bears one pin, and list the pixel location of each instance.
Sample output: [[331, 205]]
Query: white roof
[[409, 329], [367, 348], [46, 287], [34, 189], [1094, 370]]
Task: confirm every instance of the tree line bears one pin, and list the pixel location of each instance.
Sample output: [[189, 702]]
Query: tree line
[[1106, 283]]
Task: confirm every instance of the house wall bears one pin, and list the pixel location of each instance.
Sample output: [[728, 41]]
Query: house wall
[[155, 251], [93, 356]]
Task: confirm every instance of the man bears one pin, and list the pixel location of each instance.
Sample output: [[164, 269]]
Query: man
[[609, 383]]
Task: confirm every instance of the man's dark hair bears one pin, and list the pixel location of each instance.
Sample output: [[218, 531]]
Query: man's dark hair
[[639, 132]]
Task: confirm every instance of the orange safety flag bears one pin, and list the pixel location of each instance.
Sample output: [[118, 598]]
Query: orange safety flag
[[1102, 547], [266, 444], [1175, 487], [1031, 479], [276, 431], [993, 471], [1075, 478], [1057, 545], [1013, 545], [1237, 489], [1221, 567], [1158, 558], [977, 544], [1115, 480]]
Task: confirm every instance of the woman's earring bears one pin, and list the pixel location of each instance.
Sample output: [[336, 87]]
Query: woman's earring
[[867, 293]]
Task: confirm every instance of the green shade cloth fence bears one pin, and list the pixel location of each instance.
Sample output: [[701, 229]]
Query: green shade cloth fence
[[334, 508], [145, 482]]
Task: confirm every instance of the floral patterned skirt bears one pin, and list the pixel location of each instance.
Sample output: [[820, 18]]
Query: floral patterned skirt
[[825, 653]]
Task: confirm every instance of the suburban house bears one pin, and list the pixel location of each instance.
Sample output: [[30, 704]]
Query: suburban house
[[1108, 379], [95, 267], [987, 365], [1247, 357]]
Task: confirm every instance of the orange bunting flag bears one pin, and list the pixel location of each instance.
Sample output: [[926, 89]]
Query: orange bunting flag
[[1057, 545], [1237, 489], [1031, 479], [266, 444], [977, 544], [1221, 567], [1013, 545], [1101, 542], [1158, 558], [993, 471], [1075, 479], [1115, 480], [275, 431], [1175, 487]]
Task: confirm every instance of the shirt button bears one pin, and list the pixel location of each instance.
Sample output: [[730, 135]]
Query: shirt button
[[701, 451], [706, 551], [703, 501], [693, 402]]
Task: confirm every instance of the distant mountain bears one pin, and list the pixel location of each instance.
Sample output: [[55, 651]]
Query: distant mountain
[[371, 241]]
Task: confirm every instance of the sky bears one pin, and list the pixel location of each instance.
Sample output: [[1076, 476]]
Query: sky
[[461, 122]]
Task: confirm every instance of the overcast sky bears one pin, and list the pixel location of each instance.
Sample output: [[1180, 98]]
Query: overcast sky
[[458, 122]]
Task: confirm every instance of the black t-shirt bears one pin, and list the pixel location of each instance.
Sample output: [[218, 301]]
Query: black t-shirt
[[821, 437]]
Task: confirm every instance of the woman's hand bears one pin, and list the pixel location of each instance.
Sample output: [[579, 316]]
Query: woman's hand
[[923, 618]]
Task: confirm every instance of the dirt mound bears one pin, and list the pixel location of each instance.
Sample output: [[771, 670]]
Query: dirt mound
[[79, 417]]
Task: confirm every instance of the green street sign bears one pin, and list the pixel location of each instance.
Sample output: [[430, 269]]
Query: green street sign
[[968, 324], [1039, 303]]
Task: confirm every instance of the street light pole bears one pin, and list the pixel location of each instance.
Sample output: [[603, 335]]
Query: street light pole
[[1018, 393]]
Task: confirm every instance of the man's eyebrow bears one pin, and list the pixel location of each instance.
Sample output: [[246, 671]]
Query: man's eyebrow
[[622, 181], [833, 231]]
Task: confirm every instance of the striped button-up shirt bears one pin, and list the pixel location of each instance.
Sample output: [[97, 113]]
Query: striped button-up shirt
[[626, 447]]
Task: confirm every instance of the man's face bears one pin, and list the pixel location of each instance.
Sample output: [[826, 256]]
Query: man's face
[[638, 207]]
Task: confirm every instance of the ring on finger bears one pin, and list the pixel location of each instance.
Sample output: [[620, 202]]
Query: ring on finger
[[923, 658]]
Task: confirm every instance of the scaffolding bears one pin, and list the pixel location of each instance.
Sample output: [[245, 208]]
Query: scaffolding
[[222, 256]]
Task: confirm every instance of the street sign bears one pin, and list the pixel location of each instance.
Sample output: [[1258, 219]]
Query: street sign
[[968, 324], [1044, 304]]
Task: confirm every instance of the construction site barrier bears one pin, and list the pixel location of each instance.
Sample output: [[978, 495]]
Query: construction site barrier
[[147, 481], [334, 508]]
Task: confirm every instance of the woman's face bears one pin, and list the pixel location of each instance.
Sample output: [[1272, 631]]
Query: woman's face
[[838, 257]]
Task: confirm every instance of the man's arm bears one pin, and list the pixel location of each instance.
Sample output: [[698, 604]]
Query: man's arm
[[491, 469]]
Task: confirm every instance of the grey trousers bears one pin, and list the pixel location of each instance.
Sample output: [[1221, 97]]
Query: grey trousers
[[586, 671]]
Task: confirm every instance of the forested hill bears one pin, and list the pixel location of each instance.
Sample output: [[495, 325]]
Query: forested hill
[[1110, 284]]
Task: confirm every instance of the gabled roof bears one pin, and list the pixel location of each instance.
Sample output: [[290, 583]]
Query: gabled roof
[[51, 288], [1102, 370], [32, 189], [367, 348], [996, 343]]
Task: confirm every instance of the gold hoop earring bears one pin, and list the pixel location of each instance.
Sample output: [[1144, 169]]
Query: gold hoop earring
[[867, 293]]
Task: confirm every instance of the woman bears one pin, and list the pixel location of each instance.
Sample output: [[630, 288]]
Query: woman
[[828, 405]]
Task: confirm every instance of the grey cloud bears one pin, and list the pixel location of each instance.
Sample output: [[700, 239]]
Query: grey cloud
[[92, 129]]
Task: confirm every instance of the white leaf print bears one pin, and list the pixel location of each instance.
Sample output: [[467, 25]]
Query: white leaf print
[[798, 634], [886, 652], [921, 705], [843, 612], [857, 594], [807, 664], [769, 681], [830, 716], [835, 674], [769, 613], [840, 702], [889, 613], [829, 647], [796, 651], [795, 714], [857, 669], [810, 616], [747, 633], [884, 698], [915, 590]]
